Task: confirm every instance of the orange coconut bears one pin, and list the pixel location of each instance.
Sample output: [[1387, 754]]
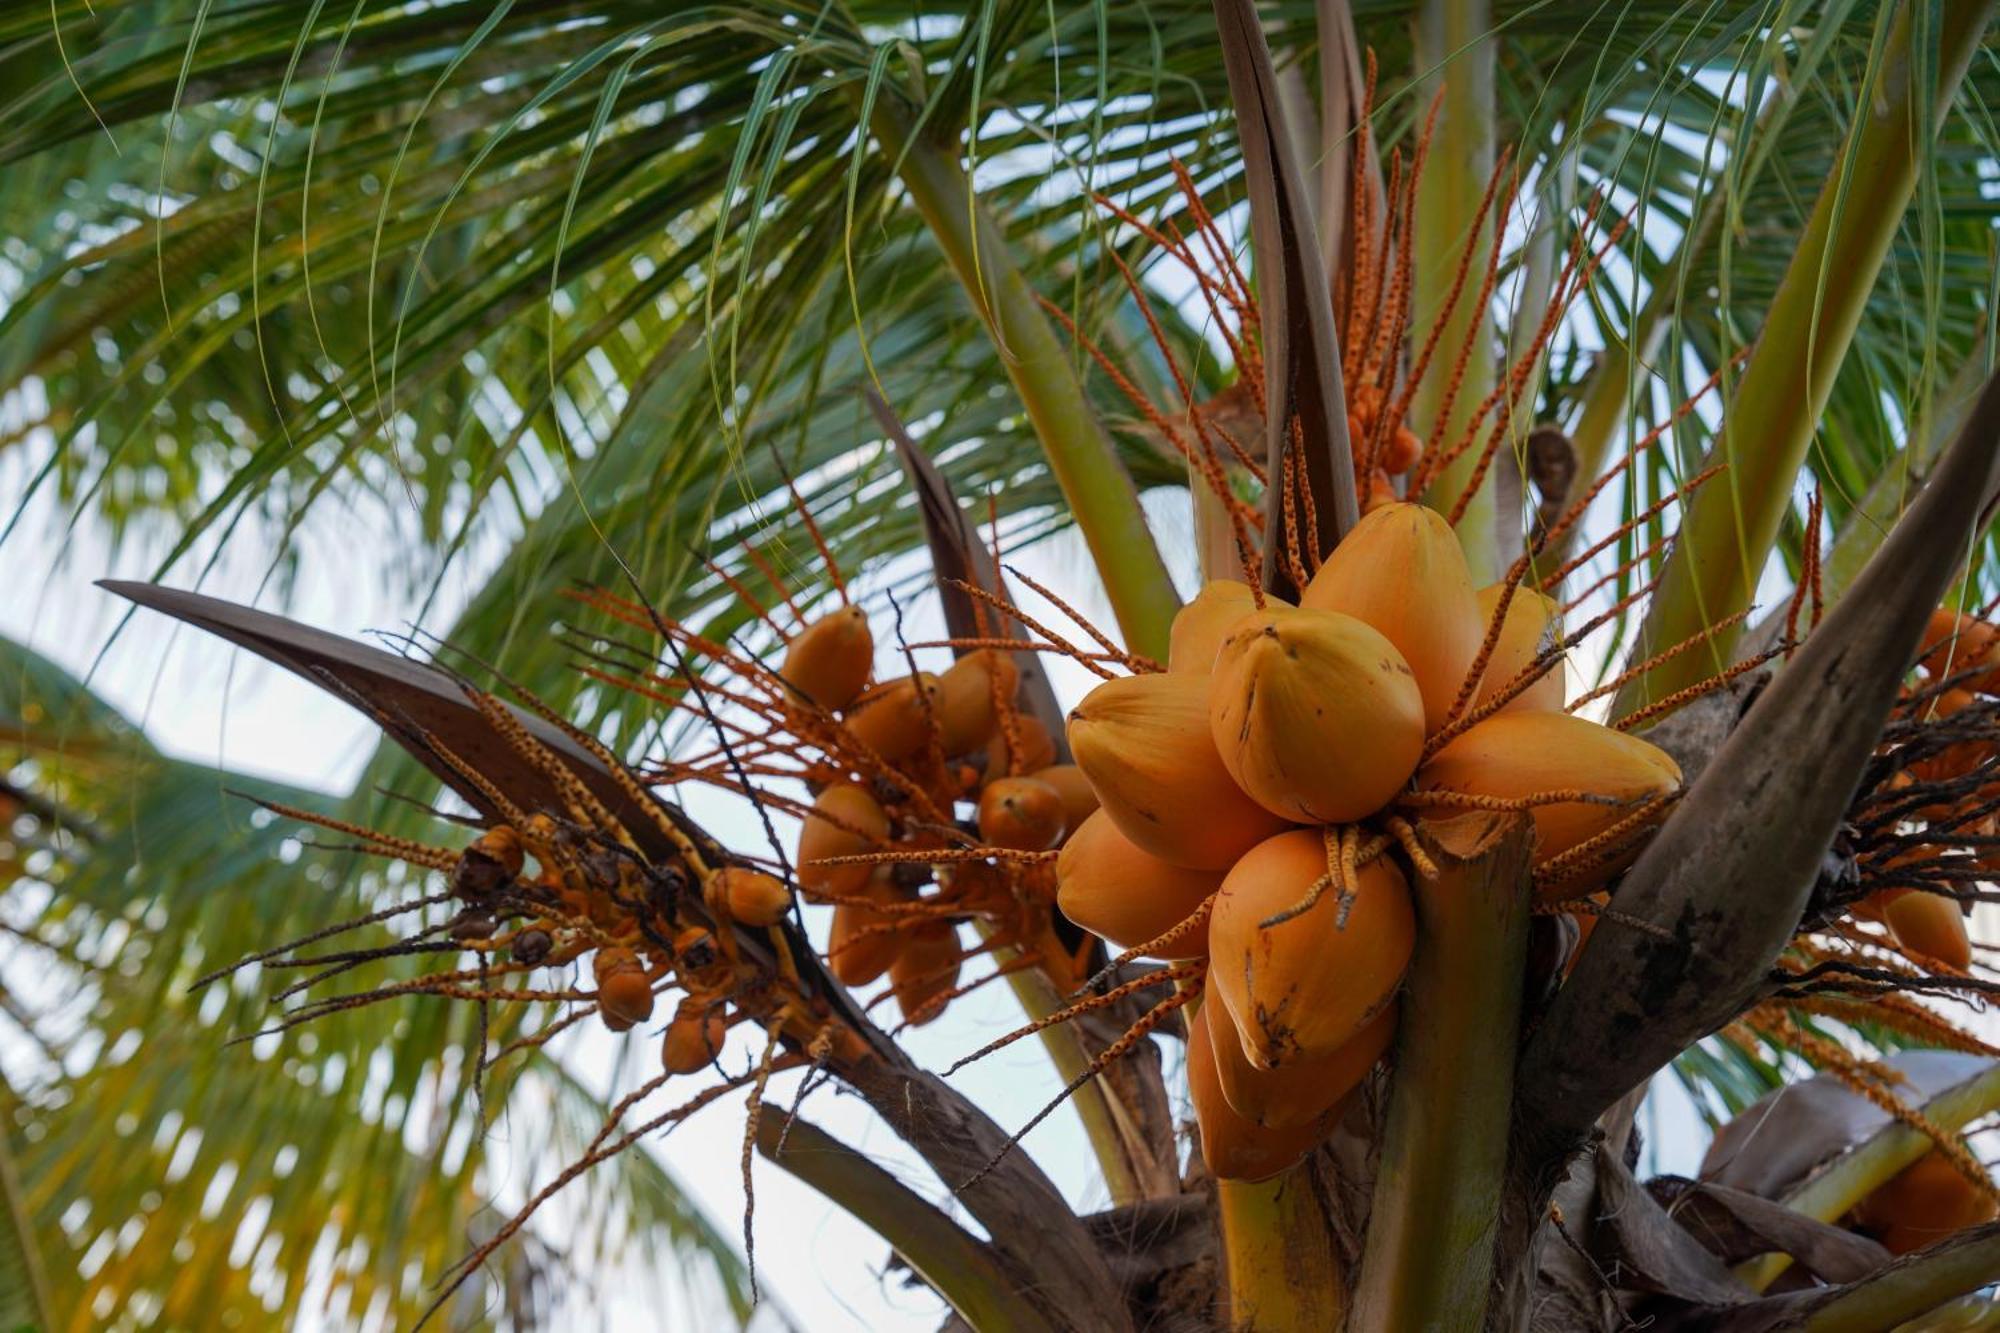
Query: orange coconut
[[1517, 754], [895, 720], [965, 708], [1315, 714], [1927, 923], [1145, 744], [925, 969], [1402, 571], [1922, 1204], [1233, 1147], [1955, 643], [1024, 814], [1302, 1092], [846, 821], [1302, 989], [828, 661], [862, 942], [1531, 626], [1201, 625], [1126, 895], [694, 1038], [1033, 748], [1079, 801], [750, 897], [624, 992], [1953, 761]]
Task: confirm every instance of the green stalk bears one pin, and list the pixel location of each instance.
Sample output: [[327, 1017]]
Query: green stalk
[[1454, 49], [1831, 1192], [1099, 490], [1917, 1286], [1731, 524], [1278, 1252], [952, 1262], [1428, 1262]]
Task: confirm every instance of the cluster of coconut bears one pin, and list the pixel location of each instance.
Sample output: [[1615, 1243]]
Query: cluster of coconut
[[925, 764], [1959, 665], [1246, 775]]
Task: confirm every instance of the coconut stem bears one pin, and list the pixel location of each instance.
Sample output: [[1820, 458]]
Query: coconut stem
[[1428, 1262], [1454, 44], [1101, 496], [1284, 1272]]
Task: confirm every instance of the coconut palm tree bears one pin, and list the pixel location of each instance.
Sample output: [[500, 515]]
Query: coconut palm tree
[[603, 293]]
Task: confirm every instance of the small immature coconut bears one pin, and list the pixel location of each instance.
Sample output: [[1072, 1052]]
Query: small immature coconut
[[965, 710], [846, 821], [1302, 989], [532, 945], [1955, 643], [1120, 893], [1145, 744], [1513, 755], [1315, 715], [695, 1036], [1927, 923], [925, 970], [895, 720], [1233, 1147], [1922, 1204], [1402, 571], [624, 992], [1200, 626], [862, 942], [1079, 800], [750, 897], [1302, 1092], [1531, 626], [1024, 814], [1033, 748], [828, 661]]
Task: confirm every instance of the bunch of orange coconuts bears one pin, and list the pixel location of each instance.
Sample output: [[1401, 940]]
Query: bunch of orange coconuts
[[1959, 661], [905, 756], [1232, 774]]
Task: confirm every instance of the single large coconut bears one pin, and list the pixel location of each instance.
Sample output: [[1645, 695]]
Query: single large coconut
[[1303, 1091], [1146, 746], [1201, 625], [1116, 890], [1519, 754], [862, 942], [897, 719], [1315, 714], [1024, 814], [1955, 643], [694, 1037], [1532, 626], [966, 712], [1927, 923], [1233, 1147], [1922, 1204], [846, 821], [1402, 571], [828, 661], [1302, 989], [925, 969]]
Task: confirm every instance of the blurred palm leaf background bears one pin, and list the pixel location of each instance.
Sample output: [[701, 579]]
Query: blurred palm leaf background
[[512, 285]]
